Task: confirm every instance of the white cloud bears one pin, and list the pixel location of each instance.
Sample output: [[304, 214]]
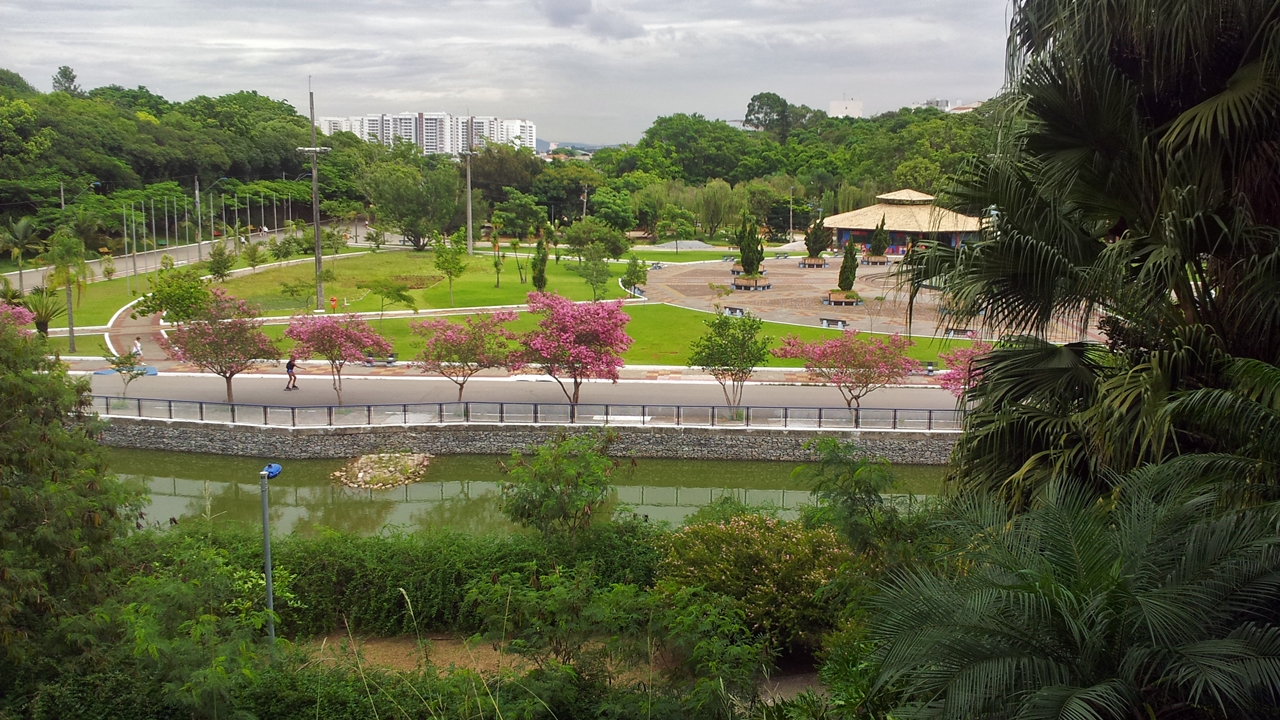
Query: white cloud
[[589, 71]]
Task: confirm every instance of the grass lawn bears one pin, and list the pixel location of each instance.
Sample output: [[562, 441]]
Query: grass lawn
[[670, 256], [474, 288], [100, 300], [662, 335], [86, 345]]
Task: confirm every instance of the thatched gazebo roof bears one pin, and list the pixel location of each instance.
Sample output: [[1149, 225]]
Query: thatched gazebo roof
[[904, 211]]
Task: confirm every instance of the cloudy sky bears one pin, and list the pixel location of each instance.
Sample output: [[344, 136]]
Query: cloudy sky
[[596, 71]]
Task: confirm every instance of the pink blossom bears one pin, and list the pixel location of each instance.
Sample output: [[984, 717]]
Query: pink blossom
[[339, 339], [575, 340], [856, 366], [961, 373], [17, 316], [226, 339], [460, 350]]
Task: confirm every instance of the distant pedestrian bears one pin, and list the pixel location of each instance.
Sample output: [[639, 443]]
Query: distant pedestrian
[[290, 367], [137, 347]]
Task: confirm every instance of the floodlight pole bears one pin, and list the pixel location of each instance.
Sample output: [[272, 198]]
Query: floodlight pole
[[314, 151]]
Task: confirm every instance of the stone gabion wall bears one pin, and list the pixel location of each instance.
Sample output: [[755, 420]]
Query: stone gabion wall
[[902, 447]]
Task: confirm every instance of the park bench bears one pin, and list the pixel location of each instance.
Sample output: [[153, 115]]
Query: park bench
[[781, 255], [836, 323], [728, 258], [655, 266], [735, 312]]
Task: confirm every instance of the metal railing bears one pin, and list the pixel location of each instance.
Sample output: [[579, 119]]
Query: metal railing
[[531, 413]]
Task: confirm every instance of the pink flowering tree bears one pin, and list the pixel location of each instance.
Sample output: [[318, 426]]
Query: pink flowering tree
[[17, 316], [855, 365], [576, 341], [961, 374], [340, 339], [458, 350], [225, 338]]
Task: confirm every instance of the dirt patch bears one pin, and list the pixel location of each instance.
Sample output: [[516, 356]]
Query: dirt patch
[[406, 654]]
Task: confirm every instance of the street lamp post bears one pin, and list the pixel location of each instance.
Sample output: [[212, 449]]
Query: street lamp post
[[269, 472], [314, 151]]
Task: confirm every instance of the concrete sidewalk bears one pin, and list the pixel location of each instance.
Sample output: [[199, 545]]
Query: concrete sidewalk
[[402, 369]]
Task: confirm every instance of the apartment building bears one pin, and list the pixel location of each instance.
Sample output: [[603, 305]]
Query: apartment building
[[440, 133]]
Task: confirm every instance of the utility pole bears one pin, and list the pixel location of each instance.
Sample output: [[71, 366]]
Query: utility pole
[[315, 151], [470, 240], [199, 224]]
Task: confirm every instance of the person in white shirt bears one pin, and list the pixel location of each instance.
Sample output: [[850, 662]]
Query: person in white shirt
[[137, 347]]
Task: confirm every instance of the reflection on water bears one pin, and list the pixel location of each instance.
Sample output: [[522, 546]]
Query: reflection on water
[[460, 491]]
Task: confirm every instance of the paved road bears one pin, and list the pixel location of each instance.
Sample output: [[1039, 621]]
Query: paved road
[[317, 390]]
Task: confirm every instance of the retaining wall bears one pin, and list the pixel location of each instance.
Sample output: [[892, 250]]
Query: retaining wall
[[896, 446]]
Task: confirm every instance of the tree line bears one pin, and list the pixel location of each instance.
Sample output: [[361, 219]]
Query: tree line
[[112, 147]]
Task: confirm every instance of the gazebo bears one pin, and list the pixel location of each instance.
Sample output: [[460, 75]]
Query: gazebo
[[908, 215]]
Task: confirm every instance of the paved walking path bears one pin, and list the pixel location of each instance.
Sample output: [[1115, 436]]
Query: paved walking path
[[797, 293]]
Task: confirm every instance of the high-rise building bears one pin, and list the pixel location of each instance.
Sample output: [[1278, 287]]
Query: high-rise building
[[435, 133], [845, 108]]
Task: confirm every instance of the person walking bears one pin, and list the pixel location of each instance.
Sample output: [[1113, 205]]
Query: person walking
[[290, 368], [137, 348]]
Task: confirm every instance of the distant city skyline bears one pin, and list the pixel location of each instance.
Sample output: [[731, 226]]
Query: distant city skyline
[[434, 132], [590, 71]]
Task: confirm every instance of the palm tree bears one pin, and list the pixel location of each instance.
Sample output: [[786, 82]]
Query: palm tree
[[66, 258], [46, 307], [1157, 603], [86, 225], [1132, 186], [20, 238]]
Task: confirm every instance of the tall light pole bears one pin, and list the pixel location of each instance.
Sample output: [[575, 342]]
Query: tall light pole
[[315, 151], [269, 472], [470, 144]]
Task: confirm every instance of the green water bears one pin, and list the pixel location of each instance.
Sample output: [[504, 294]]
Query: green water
[[460, 491]]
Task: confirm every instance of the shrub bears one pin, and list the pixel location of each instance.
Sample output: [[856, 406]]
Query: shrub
[[561, 487], [779, 571]]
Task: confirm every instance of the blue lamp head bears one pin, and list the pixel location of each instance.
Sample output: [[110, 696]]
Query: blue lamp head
[[272, 470]]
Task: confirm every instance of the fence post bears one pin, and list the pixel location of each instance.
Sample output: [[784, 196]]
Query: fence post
[[928, 423], [786, 416], [535, 413], [368, 414], [264, 415], [170, 409], [139, 406], [643, 412], [330, 415], [233, 413], [679, 415], [857, 418], [405, 415], [712, 415], [606, 413], [747, 410], [293, 416], [895, 418], [502, 412], [201, 411]]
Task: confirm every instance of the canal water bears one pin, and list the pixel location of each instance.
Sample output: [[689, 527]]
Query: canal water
[[459, 491]]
